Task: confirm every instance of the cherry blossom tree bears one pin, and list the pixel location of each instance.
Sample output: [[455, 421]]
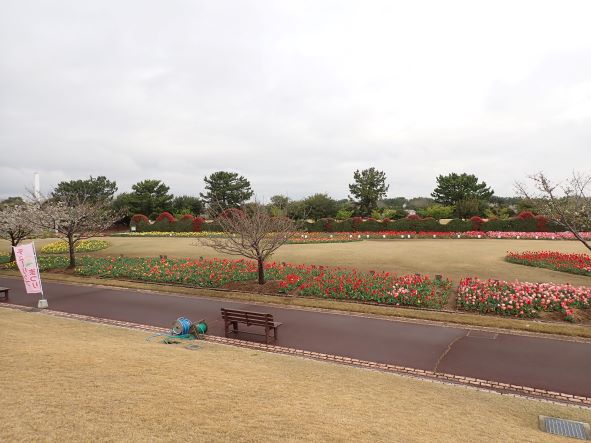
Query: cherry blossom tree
[[15, 224], [73, 218]]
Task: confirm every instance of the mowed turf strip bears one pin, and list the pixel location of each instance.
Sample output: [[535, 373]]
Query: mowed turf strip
[[63, 379], [454, 258]]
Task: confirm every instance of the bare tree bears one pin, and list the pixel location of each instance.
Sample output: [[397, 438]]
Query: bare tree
[[73, 219], [566, 204], [252, 233], [15, 224]]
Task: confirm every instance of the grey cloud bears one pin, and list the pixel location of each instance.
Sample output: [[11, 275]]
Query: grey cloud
[[294, 96]]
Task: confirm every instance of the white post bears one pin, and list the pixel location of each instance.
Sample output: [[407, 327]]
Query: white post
[[36, 186]]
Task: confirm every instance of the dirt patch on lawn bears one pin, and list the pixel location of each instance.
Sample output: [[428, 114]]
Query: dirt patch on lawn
[[452, 300], [271, 287], [581, 316]]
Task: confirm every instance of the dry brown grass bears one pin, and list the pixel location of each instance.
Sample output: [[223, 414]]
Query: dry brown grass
[[62, 379]]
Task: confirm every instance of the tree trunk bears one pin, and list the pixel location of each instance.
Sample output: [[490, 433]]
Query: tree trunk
[[12, 256], [260, 263], [71, 246], [13, 243]]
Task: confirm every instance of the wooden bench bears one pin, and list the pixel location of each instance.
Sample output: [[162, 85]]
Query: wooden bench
[[5, 292], [249, 318]]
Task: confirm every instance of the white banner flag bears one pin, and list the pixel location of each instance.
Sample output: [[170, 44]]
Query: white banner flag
[[26, 260]]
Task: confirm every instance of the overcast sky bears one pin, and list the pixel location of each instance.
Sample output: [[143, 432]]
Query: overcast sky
[[294, 95]]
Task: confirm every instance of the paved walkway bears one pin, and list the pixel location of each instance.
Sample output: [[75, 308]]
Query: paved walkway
[[537, 362]]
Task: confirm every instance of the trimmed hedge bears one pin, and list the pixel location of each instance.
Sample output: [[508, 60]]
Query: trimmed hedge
[[183, 225], [417, 224], [458, 225], [166, 222], [166, 216], [371, 225], [138, 218], [524, 222]]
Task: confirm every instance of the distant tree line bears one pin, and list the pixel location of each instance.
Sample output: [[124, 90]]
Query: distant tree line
[[78, 209], [455, 195]]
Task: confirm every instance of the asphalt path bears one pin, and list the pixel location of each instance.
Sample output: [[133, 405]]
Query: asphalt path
[[537, 362]]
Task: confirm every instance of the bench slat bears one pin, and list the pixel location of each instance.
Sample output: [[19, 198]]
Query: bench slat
[[234, 311], [246, 314], [253, 322], [258, 317]]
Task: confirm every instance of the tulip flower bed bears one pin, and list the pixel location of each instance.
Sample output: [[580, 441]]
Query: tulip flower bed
[[322, 237], [537, 235], [573, 263], [381, 288], [46, 262], [300, 238], [521, 299], [339, 237], [61, 246], [311, 281], [314, 281], [451, 234], [167, 234], [209, 273], [342, 237], [466, 234]]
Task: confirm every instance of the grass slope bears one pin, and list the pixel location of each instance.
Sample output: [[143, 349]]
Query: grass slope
[[79, 381]]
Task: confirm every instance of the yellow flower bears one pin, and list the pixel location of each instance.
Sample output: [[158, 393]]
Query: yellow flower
[[61, 246]]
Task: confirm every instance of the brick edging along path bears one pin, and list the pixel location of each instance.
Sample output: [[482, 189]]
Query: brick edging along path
[[470, 382]]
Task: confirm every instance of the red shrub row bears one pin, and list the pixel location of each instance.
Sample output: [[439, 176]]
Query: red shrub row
[[168, 218]]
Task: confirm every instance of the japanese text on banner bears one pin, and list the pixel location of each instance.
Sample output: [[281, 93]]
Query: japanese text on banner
[[26, 261]]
